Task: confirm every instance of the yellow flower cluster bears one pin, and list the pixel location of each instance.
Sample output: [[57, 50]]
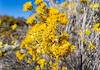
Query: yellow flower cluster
[[20, 55], [95, 6], [88, 32], [96, 27], [53, 11], [30, 20], [41, 62], [54, 66], [37, 68], [38, 1], [60, 50], [63, 19], [27, 6], [91, 46], [40, 10], [1, 43], [13, 27]]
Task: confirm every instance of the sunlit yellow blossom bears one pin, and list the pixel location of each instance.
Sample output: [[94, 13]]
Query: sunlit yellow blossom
[[42, 49], [43, 4], [19, 55], [40, 10], [27, 6], [91, 46], [2, 53], [53, 11], [13, 27], [6, 44], [65, 35], [54, 66], [30, 20], [34, 56], [38, 1], [37, 68], [42, 62], [62, 49], [95, 6], [65, 46], [62, 18], [30, 51], [54, 50], [52, 19], [29, 61], [73, 48], [88, 32], [43, 17], [96, 27], [1, 43]]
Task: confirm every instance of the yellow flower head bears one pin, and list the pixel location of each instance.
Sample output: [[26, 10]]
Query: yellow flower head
[[19, 55], [91, 46], [29, 60], [54, 66], [42, 62], [53, 11], [88, 32], [1, 43], [30, 20], [30, 51], [96, 27], [27, 6], [13, 27], [37, 68], [38, 1], [40, 10], [95, 6], [54, 50], [63, 19], [73, 48], [43, 4]]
